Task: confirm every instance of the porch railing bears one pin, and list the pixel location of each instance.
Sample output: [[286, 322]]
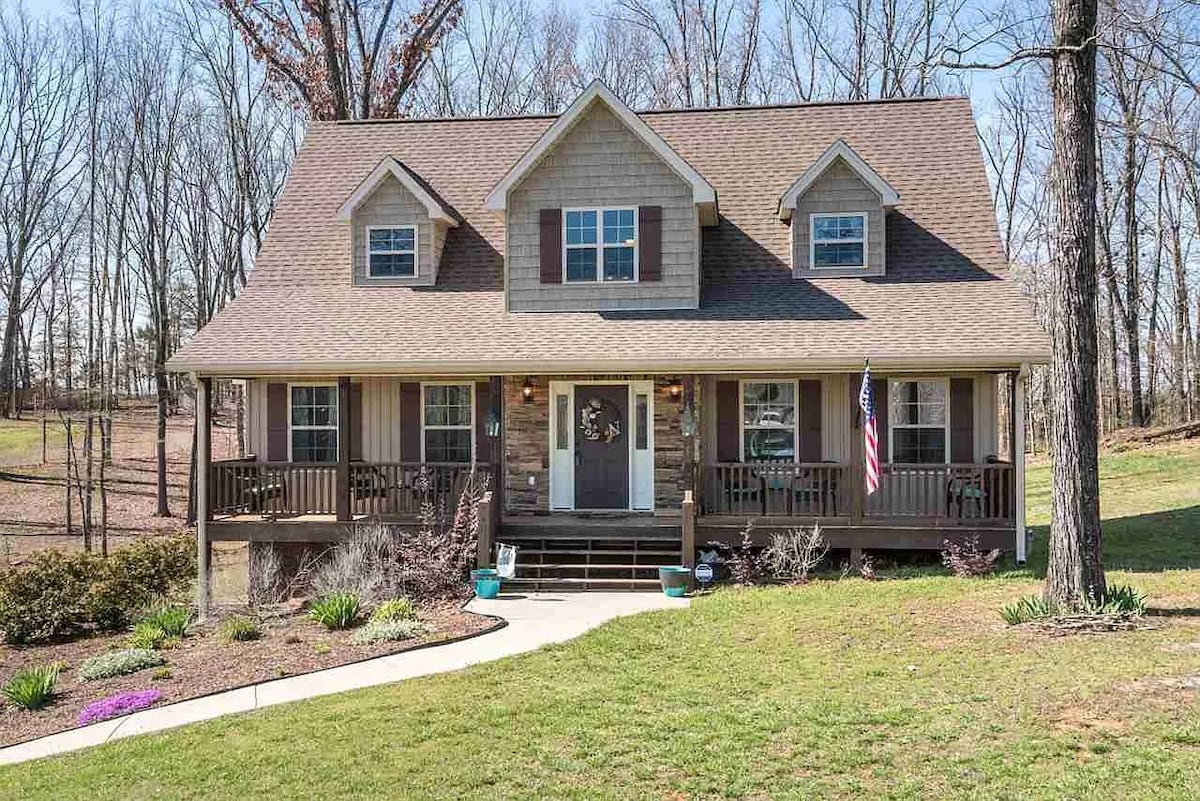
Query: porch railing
[[279, 489], [943, 492]]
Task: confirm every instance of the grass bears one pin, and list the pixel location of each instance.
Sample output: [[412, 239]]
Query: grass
[[839, 689], [21, 441]]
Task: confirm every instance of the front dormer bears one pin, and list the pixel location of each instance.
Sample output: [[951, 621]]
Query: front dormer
[[398, 227], [837, 209], [602, 214]]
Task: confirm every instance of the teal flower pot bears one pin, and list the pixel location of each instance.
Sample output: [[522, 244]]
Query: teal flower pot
[[487, 582], [674, 580]]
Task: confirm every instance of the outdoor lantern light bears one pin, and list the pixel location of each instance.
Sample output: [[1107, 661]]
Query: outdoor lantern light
[[527, 390], [675, 388]]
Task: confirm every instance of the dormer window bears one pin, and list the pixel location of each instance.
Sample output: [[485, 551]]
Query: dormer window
[[600, 245], [837, 241], [392, 251]]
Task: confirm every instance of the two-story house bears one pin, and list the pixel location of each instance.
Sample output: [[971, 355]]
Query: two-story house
[[647, 328]]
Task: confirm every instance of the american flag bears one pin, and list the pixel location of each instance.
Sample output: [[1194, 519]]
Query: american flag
[[866, 400]]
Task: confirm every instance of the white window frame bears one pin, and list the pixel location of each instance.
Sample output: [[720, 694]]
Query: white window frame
[[600, 245], [812, 241], [945, 383], [742, 427], [416, 249], [470, 428], [337, 412]]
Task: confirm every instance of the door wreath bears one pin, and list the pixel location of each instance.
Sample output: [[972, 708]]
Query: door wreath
[[600, 421]]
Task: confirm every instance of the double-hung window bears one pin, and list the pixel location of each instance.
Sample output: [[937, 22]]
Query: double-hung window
[[838, 241], [392, 251], [917, 421], [600, 245], [768, 421], [314, 419], [447, 418]]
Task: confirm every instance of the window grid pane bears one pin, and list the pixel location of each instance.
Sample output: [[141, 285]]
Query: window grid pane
[[769, 421], [448, 405], [581, 228], [618, 264], [447, 445], [391, 265], [838, 255], [834, 228], [384, 240], [618, 227], [314, 424], [581, 264]]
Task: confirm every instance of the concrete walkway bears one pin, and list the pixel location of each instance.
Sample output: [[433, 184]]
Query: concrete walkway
[[534, 620]]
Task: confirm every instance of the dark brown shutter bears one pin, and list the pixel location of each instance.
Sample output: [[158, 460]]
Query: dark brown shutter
[[810, 421], [277, 422], [550, 249], [729, 427], [962, 420], [880, 388], [356, 422], [650, 243], [483, 405], [410, 422]]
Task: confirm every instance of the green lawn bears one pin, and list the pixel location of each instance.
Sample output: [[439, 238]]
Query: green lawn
[[841, 689], [21, 441]]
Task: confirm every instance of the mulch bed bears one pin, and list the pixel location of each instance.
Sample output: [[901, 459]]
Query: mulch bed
[[202, 664]]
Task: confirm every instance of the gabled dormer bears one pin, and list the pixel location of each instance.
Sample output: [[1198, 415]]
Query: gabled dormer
[[837, 209], [602, 214], [398, 226]]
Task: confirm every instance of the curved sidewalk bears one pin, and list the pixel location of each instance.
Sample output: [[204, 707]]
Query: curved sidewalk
[[534, 620]]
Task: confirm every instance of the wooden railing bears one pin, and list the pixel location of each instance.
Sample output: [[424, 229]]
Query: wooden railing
[[954, 491], [774, 489], [943, 492], [277, 489], [399, 488]]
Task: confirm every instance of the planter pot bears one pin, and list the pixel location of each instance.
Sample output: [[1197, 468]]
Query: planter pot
[[487, 582], [674, 580]]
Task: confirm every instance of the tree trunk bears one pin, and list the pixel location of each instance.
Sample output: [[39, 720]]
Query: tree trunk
[[1075, 571]]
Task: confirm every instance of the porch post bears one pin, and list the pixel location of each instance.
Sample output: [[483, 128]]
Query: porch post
[[688, 543], [1018, 440], [342, 483], [483, 548], [203, 459]]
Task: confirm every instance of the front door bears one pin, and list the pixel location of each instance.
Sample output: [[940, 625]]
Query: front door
[[602, 431]]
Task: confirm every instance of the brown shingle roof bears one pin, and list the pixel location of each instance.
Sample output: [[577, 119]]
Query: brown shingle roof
[[946, 300]]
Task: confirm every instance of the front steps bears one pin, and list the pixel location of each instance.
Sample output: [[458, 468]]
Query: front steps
[[591, 554]]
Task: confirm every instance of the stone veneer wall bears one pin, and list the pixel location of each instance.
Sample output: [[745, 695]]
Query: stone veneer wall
[[527, 445]]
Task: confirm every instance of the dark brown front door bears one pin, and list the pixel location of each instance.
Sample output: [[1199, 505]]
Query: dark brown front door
[[601, 446]]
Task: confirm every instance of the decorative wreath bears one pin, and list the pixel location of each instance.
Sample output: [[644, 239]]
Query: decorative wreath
[[600, 421]]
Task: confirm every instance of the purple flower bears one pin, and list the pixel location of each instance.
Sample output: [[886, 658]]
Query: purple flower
[[117, 705]]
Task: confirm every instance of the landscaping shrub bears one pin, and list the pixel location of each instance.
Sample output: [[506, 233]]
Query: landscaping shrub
[[1121, 600], [56, 595], [377, 631], [173, 620], [745, 564], [147, 636], [119, 663], [337, 610], [1027, 609], [966, 560], [792, 554], [117, 705], [394, 609], [239, 628], [32, 687]]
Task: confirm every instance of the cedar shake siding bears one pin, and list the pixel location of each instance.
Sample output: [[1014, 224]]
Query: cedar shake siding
[[839, 190], [600, 164], [393, 205]]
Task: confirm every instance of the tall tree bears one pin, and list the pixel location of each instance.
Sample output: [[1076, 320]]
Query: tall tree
[[1075, 572], [343, 59]]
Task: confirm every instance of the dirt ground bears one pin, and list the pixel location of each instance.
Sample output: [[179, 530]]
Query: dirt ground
[[202, 663], [33, 493]]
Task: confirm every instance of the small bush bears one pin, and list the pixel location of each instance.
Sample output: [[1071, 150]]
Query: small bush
[[394, 609], [1121, 600], [147, 636], [744, 562], [162, 674], [792, 554], [173, 620], [56, 595], [31, 688], [239, 628], [322, 648], [337, 610], [119, 663], [117, 705], [966, 560], [377, 631], [1027, 609]]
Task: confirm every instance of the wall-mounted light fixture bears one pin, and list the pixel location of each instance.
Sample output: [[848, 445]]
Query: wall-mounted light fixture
[[527, 390], [674, 388]]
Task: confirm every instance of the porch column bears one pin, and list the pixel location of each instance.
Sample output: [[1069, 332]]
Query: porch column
[[688, 530], [203, 459], [1018, 441], [342, 483]]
